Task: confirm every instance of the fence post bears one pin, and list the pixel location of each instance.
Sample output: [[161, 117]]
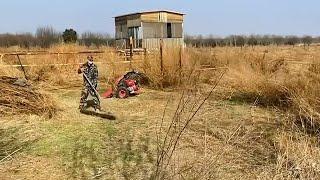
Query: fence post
[[180, 63], [161, 56], [58, 57], [180, 57], [145, 60], [131, 51]]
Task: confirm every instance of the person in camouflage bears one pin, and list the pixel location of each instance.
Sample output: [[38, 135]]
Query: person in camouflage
[[91, 71]]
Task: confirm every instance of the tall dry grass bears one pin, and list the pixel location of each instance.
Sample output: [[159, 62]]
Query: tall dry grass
[[288, 81], [284, 78]]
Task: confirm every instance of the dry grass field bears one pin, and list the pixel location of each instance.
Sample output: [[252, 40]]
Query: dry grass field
[[212, 113]]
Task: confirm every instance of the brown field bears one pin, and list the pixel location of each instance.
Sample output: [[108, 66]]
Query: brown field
[[212, 113]]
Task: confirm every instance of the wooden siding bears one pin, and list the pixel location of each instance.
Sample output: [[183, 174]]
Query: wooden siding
[[121, 31], [162, 17], [154, 43], [159, 30], [124, 19], [177, 30], [150, 17], [123, 23], [152, 26], [154, 30], [134, 23], [174, 18]]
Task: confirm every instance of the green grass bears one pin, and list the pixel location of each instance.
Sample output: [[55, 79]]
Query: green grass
[[88, 146], [80, 145]]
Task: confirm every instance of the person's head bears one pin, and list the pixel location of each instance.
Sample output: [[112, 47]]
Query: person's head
[[90, 60]]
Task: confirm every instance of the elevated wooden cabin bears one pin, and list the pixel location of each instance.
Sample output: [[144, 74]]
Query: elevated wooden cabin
[[147, 29]]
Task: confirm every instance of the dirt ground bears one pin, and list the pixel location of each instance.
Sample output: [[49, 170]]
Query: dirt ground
[[226, 139]]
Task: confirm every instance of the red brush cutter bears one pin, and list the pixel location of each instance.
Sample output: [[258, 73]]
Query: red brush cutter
[[126, 85]]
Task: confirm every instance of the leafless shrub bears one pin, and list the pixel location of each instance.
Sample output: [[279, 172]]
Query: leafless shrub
[[47, 36], [186, 110]]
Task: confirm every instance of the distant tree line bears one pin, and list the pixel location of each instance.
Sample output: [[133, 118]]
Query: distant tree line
[[252, 40], [44, 37], [47, 36], [96, 39]]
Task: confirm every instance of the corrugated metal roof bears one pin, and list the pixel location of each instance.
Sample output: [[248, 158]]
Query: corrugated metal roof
[[154, 11]]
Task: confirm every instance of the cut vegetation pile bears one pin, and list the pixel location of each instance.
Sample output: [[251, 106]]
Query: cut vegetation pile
[[17, 97]]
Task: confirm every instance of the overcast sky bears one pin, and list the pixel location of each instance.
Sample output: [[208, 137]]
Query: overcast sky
[[216, 17]]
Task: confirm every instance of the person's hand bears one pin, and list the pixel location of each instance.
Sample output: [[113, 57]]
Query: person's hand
[[79, 71]]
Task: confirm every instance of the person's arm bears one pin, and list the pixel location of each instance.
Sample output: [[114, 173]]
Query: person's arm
[[80, 69], [95, 76], [96, 72]]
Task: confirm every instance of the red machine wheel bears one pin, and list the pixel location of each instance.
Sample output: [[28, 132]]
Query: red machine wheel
[[122, 93]]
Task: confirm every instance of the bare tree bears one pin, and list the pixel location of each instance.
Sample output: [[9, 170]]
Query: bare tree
[[97, 39], [291, 40], [306, 40], [239, 41], [252, 41], [47, 36], [278, 40]]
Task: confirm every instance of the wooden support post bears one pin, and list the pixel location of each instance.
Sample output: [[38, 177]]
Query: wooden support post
[[180, 57], [131, 47], [161, 56], [145, 52], [180, 63], [131, 52], [58, 58], [145, 60]]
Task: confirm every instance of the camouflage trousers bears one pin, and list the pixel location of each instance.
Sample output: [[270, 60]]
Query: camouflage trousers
[[88, 100]]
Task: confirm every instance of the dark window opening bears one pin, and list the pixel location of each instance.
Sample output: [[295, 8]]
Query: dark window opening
[[133, 32], [169, 30]]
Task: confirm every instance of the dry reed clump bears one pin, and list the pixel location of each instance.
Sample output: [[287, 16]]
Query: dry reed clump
[[305, 96], [266, 81], [259, 82], [9, 71], [16, 99], [173, 69], [298, 157], [54, 76]]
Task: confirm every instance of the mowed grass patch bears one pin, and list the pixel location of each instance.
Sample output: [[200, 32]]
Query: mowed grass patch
[[77, 140], [226, 138], [87, 146]]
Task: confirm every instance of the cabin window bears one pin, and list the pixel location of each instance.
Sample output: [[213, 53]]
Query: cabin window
[[177, 30], [169, 30]]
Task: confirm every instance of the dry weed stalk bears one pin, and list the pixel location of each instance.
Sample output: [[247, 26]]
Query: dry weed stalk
[[178, 125]]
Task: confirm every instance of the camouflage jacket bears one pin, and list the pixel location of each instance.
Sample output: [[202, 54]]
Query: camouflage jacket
[[91, 71]]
